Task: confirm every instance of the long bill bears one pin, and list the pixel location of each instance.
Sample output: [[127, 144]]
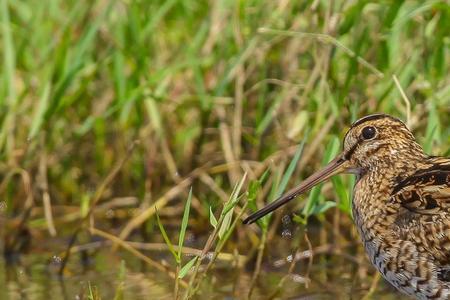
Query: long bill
[[336, 166]]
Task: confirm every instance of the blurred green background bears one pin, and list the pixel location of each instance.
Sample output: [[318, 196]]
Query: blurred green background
[[203, 92]]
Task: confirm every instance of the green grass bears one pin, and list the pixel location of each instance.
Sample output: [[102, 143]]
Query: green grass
[[212, 90]]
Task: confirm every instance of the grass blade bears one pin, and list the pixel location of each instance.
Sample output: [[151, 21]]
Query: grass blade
[[166, 237], [184, 224], [38, 119], [212, 218], [291, 168], [227, 212], [185, 269]]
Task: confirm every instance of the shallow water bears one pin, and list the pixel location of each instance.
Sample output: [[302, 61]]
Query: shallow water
[[330, 276]]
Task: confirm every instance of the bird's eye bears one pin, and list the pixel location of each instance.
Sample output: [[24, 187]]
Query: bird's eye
[[368, 132]]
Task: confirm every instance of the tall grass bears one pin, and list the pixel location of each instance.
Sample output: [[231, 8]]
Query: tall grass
[[212, 90]]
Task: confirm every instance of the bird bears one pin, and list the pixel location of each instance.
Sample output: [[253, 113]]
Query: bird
[[400, 204]]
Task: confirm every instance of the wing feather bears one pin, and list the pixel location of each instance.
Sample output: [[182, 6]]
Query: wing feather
[[427, 192], [424, 210]]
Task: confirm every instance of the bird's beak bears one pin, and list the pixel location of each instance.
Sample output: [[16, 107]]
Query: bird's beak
[[338, 165]]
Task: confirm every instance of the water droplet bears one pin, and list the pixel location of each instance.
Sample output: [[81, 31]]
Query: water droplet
[[286, 233], [56, 259], [289, 258]]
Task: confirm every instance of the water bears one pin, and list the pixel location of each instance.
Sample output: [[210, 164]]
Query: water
[[36, 278], [331, 276]]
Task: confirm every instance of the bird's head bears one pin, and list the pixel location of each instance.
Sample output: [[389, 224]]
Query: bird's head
[[378, 139], [375, 140]]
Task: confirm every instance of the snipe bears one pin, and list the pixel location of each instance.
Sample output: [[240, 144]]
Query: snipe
[[401, 204]]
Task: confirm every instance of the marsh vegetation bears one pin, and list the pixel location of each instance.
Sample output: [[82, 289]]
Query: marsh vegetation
[[143, 132]]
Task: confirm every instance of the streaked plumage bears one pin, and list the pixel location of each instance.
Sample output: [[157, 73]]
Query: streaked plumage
[[401, 204]]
